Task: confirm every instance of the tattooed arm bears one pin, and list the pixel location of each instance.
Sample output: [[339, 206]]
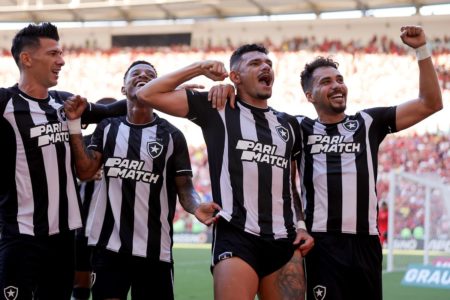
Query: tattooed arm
[[191, 202], [87, 162]]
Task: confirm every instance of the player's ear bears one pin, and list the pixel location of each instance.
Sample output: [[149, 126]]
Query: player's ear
[[25, 59], [309, 97], [235, 77], [124, 92]]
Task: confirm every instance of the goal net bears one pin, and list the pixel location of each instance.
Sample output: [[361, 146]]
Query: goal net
[[418, 220]]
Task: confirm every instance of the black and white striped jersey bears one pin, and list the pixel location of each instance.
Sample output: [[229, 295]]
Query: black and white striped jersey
[[135, 205], [249, 152], [338, 171], [38, 193]]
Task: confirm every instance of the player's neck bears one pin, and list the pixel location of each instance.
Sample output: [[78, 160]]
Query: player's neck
[[33, 89], [330, 119], [258, 103], [139, 115]]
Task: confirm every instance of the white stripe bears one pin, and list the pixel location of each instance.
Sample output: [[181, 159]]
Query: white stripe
[[141, 205], [320, 186], [250, 174], [278, 222], [373, 201], [349, 185], [165, 226], [226, 192], [97, 209], [115, 188], [25, 202]]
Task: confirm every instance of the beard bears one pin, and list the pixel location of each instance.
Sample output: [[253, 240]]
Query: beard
[[339, 109], [263, 96]]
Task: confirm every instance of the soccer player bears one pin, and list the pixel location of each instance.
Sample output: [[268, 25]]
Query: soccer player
[[39, 202], [146, 165], [82, 281], [338, 173], [249, 151]]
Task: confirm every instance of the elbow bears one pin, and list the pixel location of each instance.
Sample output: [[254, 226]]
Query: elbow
[[143, 96]]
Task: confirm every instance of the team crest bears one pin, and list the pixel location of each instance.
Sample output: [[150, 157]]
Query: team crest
[[61, 114], [319, 292], [351, 125], [283, 133], [154, 149], [11, 292]]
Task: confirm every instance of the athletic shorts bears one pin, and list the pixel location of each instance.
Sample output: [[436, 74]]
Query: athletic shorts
[[43, 266], [114, 273], [263, 255], [344, 266], [82, 254]]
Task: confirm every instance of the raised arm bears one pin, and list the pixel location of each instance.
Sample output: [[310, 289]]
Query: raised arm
[[190, 200], [430, 98], [87, 162], [161, 92]]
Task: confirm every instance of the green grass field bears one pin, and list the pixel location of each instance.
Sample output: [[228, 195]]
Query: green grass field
[[193, 280]]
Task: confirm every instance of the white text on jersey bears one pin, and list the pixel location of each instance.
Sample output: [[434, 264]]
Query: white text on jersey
[[331, 144], [129, 169], [49, 133], [254, 151]]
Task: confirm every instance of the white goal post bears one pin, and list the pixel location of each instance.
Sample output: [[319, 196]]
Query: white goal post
[[429, 183]]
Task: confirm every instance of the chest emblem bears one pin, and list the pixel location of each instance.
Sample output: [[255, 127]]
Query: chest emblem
[[283, 133], [351, 125], [154, 149]]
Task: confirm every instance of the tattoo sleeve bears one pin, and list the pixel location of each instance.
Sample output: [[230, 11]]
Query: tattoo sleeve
[[187, 195], [87, 162]]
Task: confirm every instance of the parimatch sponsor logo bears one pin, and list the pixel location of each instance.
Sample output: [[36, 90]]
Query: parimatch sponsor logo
[[50, 133], [259, 152], [129, 169], [331, 144]]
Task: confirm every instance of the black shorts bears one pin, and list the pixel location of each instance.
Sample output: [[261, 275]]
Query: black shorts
[[344, 266], [43, 266], [82, 254], [114, 274], [263, 255]]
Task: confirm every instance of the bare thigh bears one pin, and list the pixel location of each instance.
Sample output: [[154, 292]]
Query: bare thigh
[[234, 279], [287, 283]]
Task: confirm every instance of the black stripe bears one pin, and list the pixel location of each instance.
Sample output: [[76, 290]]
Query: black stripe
[[264, 135], [35, 161], [334, 184], [129, 193], [362, 180], [233, 124], [307, 128]]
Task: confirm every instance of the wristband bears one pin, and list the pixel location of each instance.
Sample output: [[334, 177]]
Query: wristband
[[422, 52], [301, 225], [74, 126]]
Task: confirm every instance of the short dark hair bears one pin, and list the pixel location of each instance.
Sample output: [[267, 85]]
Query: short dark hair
[[29, 37], [237, 54], [306, 77], [139, 62]]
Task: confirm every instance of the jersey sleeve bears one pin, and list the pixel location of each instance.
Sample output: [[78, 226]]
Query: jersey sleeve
[[182, 163], [200, 109], [96, 142], [384, 121], [95, 113]]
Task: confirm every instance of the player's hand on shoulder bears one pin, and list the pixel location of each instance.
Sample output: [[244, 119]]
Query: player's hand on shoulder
[[413, 36], [214, 70], [219, 94], [74, 106]]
